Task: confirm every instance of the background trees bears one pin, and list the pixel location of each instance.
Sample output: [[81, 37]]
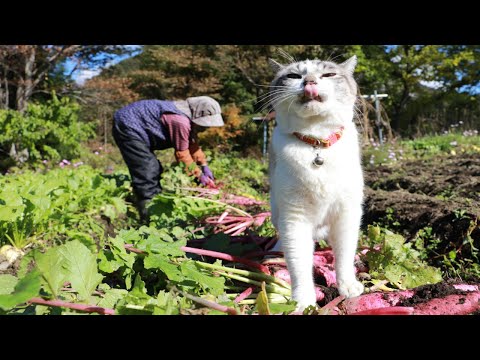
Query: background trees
[[431, 87]]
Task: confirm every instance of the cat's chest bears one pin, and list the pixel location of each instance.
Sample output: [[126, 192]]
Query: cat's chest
[[307, 158], [317, 169]]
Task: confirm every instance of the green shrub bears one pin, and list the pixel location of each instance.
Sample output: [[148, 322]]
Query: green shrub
[[47, 131]]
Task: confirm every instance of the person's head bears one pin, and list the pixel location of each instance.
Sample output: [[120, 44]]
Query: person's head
[[203, 111]]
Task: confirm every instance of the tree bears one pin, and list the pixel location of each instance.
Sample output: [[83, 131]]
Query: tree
[[24, 67], [422, 81]]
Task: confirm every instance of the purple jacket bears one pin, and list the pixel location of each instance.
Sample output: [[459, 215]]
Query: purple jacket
[[141, 120]]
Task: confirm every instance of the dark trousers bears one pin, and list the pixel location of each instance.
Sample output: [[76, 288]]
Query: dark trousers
[[144, 167]]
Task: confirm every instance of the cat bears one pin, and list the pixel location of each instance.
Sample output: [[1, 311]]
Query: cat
[[316, 191]]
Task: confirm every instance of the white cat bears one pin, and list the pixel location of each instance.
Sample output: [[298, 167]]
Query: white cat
[[316, 177]]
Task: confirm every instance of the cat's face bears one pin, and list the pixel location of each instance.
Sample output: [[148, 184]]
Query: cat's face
[[313, 87]]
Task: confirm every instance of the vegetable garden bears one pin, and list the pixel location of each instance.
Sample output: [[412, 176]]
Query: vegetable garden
[[72, 242]]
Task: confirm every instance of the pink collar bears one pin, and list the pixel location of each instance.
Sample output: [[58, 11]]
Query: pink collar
[[319, 142]]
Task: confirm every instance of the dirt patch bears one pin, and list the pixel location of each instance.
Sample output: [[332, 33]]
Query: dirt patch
[[426, 293], [445, 177], [330, 294], [441, 193]]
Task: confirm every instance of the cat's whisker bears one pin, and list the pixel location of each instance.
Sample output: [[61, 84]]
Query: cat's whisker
[[278, 93], [269, 105], [285, 55], [278, 86], [271, 99], [275, 101], [259, 99], [288, 110], [271, 93]]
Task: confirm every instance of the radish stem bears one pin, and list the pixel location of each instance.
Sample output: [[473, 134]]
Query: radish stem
[[210, 304], [79, 307], [227, 257], [270, 287], [251, 274]]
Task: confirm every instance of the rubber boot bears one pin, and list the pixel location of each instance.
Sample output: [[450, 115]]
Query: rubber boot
[[143, 211]]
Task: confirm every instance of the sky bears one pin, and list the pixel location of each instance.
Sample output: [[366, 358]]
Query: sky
[[81, 75]]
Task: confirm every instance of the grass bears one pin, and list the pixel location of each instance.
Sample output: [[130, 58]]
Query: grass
[[451, 143]]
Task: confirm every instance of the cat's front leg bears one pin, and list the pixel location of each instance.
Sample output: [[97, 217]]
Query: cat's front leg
[[343, 239], [296, 237]]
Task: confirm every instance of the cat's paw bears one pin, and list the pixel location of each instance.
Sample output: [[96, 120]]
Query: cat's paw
[[304, 301], [350, 288]]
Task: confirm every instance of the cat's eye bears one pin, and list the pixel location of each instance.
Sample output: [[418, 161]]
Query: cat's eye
[[329, 75], [294, 76]]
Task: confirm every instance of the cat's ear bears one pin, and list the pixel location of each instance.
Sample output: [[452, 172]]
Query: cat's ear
[[275, 65], [350, 64]]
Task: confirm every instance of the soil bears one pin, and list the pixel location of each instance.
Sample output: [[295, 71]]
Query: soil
[[427, 292], [330, 294], [442, 193]]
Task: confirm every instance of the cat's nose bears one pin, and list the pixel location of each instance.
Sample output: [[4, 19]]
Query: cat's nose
[[310, 79]]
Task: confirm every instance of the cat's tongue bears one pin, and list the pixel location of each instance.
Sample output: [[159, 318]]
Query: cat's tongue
[[310, 91]]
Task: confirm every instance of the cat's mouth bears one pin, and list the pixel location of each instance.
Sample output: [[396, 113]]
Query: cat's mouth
[[319, 98]]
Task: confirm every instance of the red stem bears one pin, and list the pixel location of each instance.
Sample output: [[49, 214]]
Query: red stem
[[239, 231], [214, 254], [227, 220], [243, 294], [239, 226], [227, 257], [130, 247], [222, 217], [80, 307], [393, 310]]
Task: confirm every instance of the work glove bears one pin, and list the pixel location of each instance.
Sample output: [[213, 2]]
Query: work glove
[[205, 180], [207, 172]]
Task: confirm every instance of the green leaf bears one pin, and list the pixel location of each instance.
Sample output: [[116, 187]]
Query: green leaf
[[214, 284], [81, 267], [110, 211], [139, 290], [262, 302], [409, 276], [374, 234], [7, 283], [137, 301], [118, 249], [131, 236], [119, 203], [281, 308], [167, 304], [51, 265], [85, 238], [26, 288], [157, 245], [108, 263], [111, 297], [42, 203], [401, 265], [155, 261], [27, 262], [10, 196], [10, 213], [178, 232]]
